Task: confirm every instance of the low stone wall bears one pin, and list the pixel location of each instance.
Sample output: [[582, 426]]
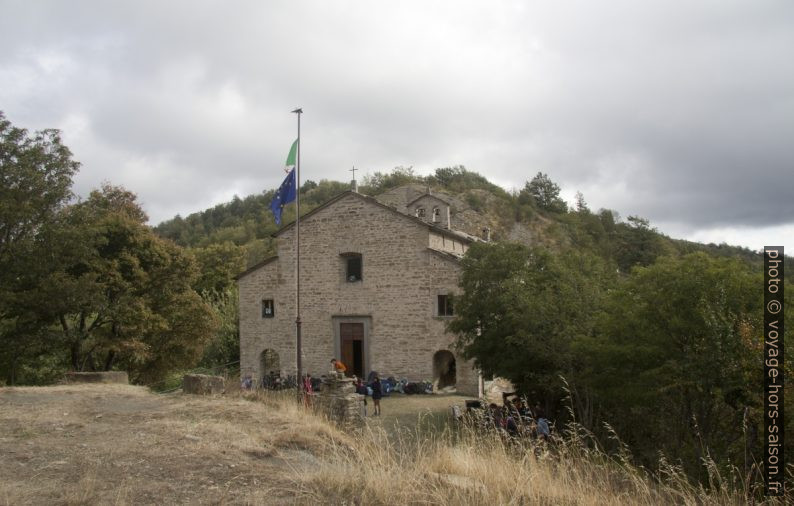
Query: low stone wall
[[202, 384], [338, 400], [98, 377]]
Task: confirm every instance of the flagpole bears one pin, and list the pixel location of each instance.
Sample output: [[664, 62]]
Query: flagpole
[[298, 111]]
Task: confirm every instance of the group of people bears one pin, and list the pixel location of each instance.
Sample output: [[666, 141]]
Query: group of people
[[515, 418], [372, 388]]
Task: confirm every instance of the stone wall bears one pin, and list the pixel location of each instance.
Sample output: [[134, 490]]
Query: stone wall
[[396, 298], [98, 377], [338, 400], [201, 384]]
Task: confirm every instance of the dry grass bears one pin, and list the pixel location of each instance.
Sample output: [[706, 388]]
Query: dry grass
[[471, 468], [114, 444], [117, 444]]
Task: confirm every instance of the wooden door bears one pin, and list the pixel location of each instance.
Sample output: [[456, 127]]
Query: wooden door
[[352, 345]]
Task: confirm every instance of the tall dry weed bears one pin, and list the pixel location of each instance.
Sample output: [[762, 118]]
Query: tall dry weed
[[466, 465]]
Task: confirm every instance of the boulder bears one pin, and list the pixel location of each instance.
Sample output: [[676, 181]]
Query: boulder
[[202, 384]]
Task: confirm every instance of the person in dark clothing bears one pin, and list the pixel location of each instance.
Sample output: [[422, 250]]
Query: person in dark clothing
[[495, 413], [377, 394], [511, 426], [308, 390]]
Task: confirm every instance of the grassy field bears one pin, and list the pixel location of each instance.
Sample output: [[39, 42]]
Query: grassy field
[[114, 444], [420, 414]]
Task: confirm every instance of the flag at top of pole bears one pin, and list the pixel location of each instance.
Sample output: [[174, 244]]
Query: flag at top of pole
[[287, 191]]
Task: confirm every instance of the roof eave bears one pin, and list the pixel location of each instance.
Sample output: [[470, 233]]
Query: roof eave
[[255, 267]]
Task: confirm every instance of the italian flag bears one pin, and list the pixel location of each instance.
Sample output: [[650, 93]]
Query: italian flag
[[293, 151]]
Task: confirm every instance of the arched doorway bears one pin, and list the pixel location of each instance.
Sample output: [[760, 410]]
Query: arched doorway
[[444, 374], [269, 363]]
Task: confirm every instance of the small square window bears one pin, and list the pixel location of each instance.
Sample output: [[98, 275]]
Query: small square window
[[353, 268], [268, 308], [420, 212], [445, 305]]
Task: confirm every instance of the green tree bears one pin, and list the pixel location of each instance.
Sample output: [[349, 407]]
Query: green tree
[[521, 309], [673, 364], [545, 193], [637, 244], [224, 346], [379, 182], [581, 205], [35, 180], [116, 294], [218, 264]]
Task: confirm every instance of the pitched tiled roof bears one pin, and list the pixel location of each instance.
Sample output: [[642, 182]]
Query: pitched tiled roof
[[446, 255], [443, 231], [426, 195]]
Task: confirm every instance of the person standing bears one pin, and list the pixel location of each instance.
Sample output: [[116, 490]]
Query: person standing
[[338, 366], [377, 394], [308, 390]]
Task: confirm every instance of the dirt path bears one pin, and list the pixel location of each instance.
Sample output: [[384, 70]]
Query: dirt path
[[114, 444]]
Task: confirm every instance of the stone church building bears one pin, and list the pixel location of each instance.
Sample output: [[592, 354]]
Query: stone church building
[[377, 286]]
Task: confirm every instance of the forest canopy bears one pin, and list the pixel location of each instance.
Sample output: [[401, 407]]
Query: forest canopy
[[87, 285]]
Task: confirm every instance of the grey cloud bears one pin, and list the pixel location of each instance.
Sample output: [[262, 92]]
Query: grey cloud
[[679, 112]]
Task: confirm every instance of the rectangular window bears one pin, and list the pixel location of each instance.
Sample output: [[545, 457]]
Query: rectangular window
[[445, 305], [353, 268], [268, 308]]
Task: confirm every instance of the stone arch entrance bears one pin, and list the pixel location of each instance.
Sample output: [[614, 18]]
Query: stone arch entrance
[[444, 373], [269, 363]]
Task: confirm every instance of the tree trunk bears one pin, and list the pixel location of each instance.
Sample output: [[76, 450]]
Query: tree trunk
[[76, 350], [12, 375], [109, 360], [90, 361]]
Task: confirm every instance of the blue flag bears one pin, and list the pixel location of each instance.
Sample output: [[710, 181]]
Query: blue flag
[[284, 195]]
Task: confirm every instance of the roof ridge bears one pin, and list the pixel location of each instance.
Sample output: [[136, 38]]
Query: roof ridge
[[372, 200]]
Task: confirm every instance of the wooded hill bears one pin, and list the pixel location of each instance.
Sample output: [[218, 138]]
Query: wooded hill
[[535, 215]]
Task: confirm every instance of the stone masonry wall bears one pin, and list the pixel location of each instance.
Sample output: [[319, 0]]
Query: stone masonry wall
[[443, 242], [397, 295], [338, 400]]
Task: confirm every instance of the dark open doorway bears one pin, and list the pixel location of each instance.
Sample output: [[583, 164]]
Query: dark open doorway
[[351, 337]]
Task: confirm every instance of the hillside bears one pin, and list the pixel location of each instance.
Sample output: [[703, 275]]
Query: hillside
[[118, 444], [476, 202]]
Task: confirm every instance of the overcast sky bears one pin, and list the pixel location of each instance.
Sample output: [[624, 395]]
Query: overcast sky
[[678, 111]]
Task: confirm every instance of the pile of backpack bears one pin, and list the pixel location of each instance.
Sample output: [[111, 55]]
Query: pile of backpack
[[403, 386], [411, 388]]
